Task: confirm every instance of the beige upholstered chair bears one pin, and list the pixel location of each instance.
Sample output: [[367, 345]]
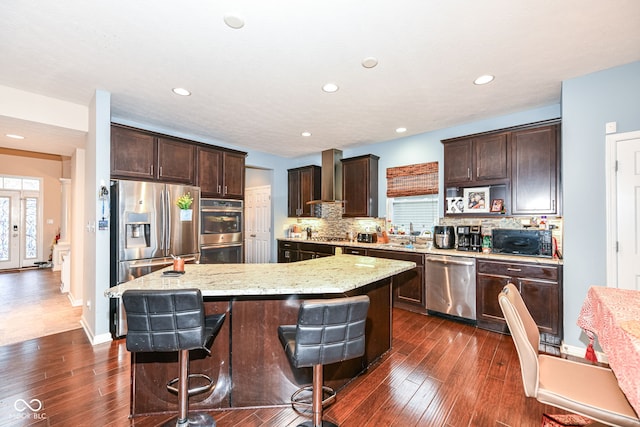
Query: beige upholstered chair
[[588, 390]]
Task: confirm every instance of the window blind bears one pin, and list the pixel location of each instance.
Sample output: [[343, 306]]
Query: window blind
[[412, 180]]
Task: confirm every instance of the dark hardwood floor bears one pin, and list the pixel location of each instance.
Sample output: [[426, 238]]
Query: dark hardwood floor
[[438, 373]]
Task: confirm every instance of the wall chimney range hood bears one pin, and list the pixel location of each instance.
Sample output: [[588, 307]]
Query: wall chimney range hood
[[331, 177]]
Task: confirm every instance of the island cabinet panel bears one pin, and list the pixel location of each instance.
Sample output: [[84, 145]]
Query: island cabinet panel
[[535, 171], [220, 173], [360, 186], [262, 373], [541, 290], [409, 290], [150, 373]]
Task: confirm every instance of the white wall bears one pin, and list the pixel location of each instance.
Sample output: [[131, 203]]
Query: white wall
[[95, 313]]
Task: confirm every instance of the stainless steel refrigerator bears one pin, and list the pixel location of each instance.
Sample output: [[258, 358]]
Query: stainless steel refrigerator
[[147, 228]]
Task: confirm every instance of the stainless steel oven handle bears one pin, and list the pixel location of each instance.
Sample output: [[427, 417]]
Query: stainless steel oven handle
[[229, 245], [214, 210]]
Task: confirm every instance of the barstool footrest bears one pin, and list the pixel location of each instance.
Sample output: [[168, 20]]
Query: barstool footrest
[[306, 402], [192, 391]]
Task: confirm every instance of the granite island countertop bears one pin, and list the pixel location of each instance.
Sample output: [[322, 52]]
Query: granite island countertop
[[327, 275]]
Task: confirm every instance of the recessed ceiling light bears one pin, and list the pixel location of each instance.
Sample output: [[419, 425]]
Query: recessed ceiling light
[[401, 130], [330, 87], [233, 21], [369, 62], [14, 136], [306, 133], [181, 91], [483, 80]]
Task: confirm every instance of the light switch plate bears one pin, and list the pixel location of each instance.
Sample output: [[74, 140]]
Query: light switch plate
[[611, 127]]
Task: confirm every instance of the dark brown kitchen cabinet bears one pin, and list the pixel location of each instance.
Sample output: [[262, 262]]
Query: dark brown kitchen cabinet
[[476, 160], [176, 161], [360, 186], [143, 156], [221, 173], [535, 171], [409, 286], [133, 154], [541, 290], [287, 251], [314, 250], [299, 251], [304, 186]]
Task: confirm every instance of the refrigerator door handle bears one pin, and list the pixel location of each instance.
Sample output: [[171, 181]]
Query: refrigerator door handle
[[162, 224], [168, 219]]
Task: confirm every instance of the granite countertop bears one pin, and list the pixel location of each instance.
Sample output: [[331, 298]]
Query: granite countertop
[[327, 275], [428, 249]]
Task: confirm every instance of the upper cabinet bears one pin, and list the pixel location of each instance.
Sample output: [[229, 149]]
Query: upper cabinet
[[476, 160], [360, 186], [535, 171], [220, 173], [304, 186], [176, 161], [146, 156], [520, 166]]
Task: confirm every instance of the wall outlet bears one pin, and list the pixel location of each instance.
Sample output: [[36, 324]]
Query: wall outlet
[[611, 127]]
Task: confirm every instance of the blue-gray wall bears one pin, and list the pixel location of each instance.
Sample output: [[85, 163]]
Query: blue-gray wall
[[588, 102]]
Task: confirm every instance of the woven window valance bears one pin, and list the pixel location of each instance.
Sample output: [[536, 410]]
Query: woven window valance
[[412, 180]]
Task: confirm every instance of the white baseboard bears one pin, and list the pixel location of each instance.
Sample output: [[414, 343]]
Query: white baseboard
[[74, 302], [95, 339], [579, 352]]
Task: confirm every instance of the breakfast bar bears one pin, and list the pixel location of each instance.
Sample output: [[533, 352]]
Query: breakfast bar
[[247, 361]]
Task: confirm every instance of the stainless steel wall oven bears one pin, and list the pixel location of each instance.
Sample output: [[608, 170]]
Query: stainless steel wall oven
[[221, 231]]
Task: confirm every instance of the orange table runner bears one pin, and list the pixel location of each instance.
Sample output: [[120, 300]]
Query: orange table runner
[[614, 316]]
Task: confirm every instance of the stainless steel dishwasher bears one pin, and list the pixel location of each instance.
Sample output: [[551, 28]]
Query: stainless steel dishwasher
[[451, 286]]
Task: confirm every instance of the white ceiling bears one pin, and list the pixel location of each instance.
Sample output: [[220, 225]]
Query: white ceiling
[[259, 87]]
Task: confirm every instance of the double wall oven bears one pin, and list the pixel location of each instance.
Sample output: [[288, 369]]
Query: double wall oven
[[221, 237]]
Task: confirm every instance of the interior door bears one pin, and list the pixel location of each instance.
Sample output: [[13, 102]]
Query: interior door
[[9, 229], [628, 213], [258, 224]]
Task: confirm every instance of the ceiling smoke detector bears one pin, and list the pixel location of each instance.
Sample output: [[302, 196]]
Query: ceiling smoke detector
[[233, 21]]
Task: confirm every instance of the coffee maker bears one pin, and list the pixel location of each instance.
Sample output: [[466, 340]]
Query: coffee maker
[[469, 238]]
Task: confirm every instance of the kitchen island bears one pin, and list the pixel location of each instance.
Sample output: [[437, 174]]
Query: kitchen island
[[247, 360]]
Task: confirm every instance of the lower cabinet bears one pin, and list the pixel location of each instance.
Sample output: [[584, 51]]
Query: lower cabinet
[[287, 251], [300, 251], [409, 286], [314, 250], [541, 290]]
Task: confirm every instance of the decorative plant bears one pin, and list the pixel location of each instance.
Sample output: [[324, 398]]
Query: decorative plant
[[185, 201]]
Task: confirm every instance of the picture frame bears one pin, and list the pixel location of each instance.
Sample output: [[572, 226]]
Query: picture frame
[[476, 200], [497, 205], [455, 205]]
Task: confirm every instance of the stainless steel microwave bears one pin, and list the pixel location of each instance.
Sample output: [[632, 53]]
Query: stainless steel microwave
[[522, 242]]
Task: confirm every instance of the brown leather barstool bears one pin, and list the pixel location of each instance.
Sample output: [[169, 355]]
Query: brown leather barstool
[[328, 331], [173, 320]]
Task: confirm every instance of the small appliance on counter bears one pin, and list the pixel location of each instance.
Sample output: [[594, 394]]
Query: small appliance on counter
[[444, 237], [469, 238], [531, 242], [367, 237]]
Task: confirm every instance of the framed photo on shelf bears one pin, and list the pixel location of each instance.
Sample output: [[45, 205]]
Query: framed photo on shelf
[[455, 205], [496, 205], [476, 200]]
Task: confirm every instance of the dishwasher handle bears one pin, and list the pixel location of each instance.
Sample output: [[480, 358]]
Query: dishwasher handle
[[452, 261]]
